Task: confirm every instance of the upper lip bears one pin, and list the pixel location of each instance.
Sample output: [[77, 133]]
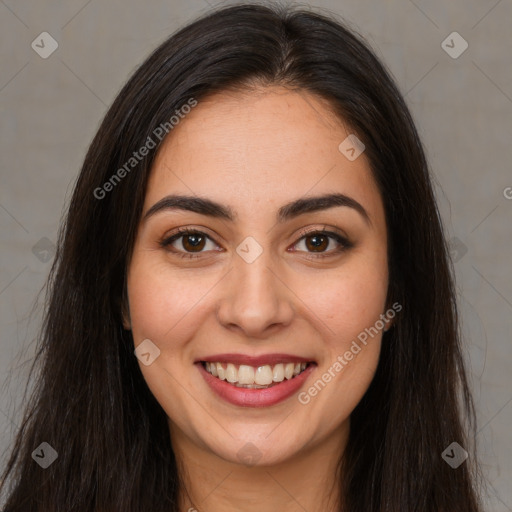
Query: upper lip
[[265, 359]]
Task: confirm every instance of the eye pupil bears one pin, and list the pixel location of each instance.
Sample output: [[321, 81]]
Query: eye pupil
[[318, 242], [193, 241]]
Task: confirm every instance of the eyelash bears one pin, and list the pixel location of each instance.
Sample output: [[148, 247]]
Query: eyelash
[[345, 243]]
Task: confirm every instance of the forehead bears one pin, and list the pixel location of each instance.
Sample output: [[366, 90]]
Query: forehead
[[261, 147]]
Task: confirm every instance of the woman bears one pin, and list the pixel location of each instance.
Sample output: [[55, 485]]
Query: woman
[[251, 306]]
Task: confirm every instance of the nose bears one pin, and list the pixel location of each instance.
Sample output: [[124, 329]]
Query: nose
[[255, 299]]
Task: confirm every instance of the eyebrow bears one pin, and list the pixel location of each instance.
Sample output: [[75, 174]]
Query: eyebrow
[[204, 206]]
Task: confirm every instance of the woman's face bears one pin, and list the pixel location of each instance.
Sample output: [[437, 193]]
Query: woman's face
[[253, 285]]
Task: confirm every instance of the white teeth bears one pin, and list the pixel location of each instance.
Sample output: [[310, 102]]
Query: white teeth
[[245, 374], [278, 374], [263, 375], [220, 371], [231, 373], [249, 376]]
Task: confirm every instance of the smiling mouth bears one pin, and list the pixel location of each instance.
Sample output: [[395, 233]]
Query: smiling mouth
[[261, 377]]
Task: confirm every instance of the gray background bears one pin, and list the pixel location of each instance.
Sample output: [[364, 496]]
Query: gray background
[[51, 108]]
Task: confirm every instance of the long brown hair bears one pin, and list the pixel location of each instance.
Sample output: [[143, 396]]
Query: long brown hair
[[90, 401]]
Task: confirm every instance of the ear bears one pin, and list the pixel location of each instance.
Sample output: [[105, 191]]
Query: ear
[[390, 322], [125, 310], [126, 320]]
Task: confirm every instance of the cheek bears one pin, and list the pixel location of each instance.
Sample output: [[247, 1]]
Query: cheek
[[349, 300], [162, 301], [349, 309], [350, 306], [168, 306], [166, 309]]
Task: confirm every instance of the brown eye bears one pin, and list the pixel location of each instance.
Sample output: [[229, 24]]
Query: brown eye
[[192, 243], [317, 243], [320, 241]]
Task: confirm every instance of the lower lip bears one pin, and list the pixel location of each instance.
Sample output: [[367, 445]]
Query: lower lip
[[265, 397]]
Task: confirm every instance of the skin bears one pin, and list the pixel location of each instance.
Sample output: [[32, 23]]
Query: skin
[[254, 152]]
